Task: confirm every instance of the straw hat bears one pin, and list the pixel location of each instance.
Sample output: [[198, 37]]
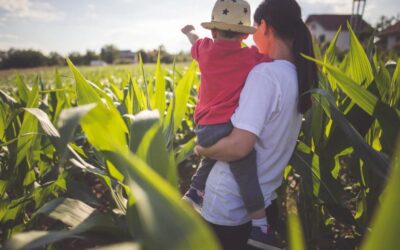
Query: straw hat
[[231, 15]]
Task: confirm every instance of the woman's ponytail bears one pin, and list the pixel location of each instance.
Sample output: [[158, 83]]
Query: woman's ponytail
[[284, 16], [306, 70]]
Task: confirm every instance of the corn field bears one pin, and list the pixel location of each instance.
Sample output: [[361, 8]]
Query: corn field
[[94, 162]]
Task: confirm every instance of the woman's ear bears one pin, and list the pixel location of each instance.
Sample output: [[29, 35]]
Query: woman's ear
[[264, 27]]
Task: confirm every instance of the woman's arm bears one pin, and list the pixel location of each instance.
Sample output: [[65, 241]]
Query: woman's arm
[[231, 148]]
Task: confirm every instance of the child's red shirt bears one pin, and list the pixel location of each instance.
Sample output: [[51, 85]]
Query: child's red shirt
[[224, 66]]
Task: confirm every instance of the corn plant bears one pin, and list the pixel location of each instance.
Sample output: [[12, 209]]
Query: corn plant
[[106, 141], [93, 163], [346, 146]]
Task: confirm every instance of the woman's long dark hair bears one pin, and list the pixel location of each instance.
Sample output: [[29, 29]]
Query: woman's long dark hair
[[284, 16]]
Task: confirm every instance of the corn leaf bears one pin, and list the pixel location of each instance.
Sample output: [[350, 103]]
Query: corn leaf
[[296, 238], [29, 125], [160, 102], [23, 90], [182, 93], [160, 208], [374, 160], [359, 68], [362, 97], [71, 212], [385, 224]]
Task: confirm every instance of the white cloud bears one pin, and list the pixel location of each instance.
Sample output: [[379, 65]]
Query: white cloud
[[27, 9], [9, 36], [91, 12]]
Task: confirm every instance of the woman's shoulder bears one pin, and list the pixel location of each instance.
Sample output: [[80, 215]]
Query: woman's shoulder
[[275, 66]]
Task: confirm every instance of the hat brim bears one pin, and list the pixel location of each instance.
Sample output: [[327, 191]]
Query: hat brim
[[229, 27]]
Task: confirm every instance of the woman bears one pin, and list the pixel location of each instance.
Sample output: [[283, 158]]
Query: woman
[[268, 119]]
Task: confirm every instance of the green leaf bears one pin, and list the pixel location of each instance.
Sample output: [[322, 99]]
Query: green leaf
[[359, 68], [120, 246], [182, 94], [44, 121], [376, 161], [365, 99], [7, 99], [96, 223], [68, 122], [69, 211], [394, 88], [317, 123], [23, 91], [186, 150], [296, 238], [386, 223], [117, 92], [160, 89], [390, 122], [30, 178], [148, 142], [29, 125], [331, 58], [115, 125], [61, 97], [146, 88], [162, 213], [3, 187], [141, 123], [3, 120], [153, 150], [84, 91]]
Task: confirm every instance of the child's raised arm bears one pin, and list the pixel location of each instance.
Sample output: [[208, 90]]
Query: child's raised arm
[[188, 30]]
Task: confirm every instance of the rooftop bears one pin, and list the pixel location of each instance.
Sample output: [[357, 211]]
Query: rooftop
[[394, 29], [333, 22]]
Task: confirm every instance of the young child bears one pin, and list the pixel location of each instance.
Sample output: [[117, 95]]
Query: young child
[[224, 66]]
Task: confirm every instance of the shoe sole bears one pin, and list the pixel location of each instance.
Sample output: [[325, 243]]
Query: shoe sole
[[193, 204], [262, 245]]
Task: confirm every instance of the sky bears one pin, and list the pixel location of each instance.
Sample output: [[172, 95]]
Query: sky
[[77, 25]]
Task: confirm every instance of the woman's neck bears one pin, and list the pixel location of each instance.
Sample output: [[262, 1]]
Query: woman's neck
[[282, 50]]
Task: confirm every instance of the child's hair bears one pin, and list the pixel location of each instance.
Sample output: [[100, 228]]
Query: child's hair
[[284, 16], [229, 34]]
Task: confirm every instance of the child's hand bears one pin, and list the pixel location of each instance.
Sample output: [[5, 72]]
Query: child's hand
[[187, 29]]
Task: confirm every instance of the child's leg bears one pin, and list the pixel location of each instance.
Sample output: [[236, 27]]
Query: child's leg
[[245, 173], [200, 177], [207, 136]]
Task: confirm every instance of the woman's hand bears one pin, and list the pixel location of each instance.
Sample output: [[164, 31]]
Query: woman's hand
[[231, 148], [199, 150]]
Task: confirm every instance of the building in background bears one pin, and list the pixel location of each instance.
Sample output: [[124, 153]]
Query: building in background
[[127, 57], [324, 28], [389, 38], [98, 63]]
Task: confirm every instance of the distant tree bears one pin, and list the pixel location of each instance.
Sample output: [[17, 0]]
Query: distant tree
[[55, 59], [77, 58], [2, 57], [145, 57], [386, 21], [165, 57], [109, 53], [90, 56], [23, 59], [183, 57]]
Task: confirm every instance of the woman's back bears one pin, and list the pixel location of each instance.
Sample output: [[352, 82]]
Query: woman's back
[[267, 108]]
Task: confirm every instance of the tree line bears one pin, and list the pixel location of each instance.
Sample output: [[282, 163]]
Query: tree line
[[110, 54]]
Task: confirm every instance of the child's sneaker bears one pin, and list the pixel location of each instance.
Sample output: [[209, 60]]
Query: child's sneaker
[[193, 198], [264, 240]]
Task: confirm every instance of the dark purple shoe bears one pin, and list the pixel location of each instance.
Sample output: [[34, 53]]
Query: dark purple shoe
[[192, 197], [262, 240]]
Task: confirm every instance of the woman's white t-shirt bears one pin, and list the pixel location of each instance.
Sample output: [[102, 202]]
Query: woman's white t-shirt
[[268, 109]]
